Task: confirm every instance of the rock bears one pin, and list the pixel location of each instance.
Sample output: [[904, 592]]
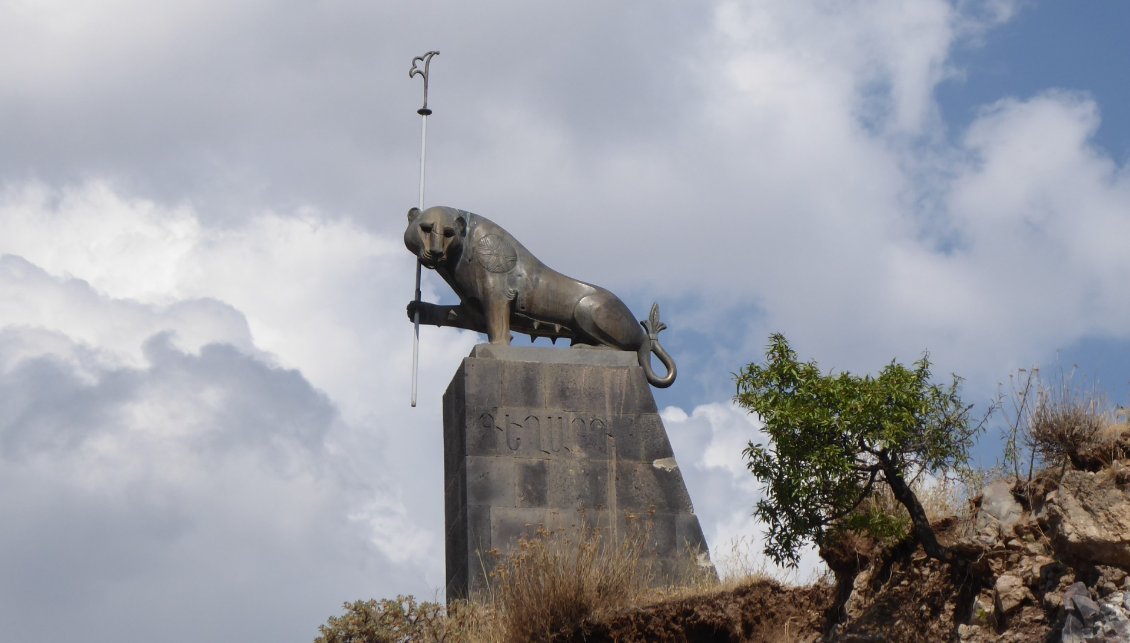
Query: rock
[[1073, 630], [1088, 518], [984, 609], [1054, 597], [1053, 600], [1109, 580], [1032, 569], [968, 632], [1115, 575], [1114, 600], [1087, 609], [1010, 593], [1073, 590], [1115, 617], [999, 510], [857, 601]]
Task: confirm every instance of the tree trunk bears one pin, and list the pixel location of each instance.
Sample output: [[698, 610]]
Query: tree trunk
[[922, 529]]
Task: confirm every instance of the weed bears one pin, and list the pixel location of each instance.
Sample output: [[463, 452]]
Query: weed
[[555, 580], [1058, 424]]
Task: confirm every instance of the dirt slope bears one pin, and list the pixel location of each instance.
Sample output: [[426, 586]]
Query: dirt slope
[[1045, 561]]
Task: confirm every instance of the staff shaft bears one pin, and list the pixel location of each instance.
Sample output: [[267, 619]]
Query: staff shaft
[[416, 317], [423, 112]]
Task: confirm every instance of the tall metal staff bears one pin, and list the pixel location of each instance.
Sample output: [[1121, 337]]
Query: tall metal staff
[[423, 112]]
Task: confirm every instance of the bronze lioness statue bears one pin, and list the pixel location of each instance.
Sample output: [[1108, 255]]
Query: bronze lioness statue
[[502, 287]]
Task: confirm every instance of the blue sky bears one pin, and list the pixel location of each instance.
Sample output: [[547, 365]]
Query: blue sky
[[1074, 46], [1078, 47], [204, 357]]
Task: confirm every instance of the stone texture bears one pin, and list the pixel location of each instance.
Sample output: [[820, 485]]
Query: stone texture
[[998, 503], [1087, 619], [556, 438], [1087, 609], [1073, 630], [997, 514], [1010, 593], [1088, 517], [984, 609]]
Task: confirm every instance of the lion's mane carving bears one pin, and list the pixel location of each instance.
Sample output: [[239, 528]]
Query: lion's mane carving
[[502, 287]]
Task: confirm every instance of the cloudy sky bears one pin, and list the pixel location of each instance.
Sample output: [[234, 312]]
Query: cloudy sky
[[204, 359]]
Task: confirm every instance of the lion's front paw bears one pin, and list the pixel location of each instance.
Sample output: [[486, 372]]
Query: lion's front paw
[[413, 307]]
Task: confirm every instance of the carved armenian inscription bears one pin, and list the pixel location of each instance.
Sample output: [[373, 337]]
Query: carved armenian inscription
[[542, 433]]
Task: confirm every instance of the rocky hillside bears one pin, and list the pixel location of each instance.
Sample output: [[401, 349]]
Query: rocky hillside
[[1042, 561]]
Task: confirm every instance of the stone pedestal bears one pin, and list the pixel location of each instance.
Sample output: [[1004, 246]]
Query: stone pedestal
[[556, 438]]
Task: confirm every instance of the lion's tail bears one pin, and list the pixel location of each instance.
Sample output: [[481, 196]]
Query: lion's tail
[[653, 327]]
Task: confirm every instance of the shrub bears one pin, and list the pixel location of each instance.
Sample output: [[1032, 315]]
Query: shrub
[[403, 619], [1073, 426], [386, 621], [1062, 423]]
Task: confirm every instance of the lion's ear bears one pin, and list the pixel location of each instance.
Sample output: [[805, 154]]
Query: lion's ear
[[461, 222], [413, 213]]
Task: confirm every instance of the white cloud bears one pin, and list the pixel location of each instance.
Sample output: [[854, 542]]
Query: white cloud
[[708, 445], [157, 405], [318, 294], [201, 210], [193, 480], [1037, 210]]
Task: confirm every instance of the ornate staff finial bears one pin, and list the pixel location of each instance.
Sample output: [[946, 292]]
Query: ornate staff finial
[[416, 71], [423, 112]]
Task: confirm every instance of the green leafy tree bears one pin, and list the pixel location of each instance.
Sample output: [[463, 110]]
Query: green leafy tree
[[832, 438]]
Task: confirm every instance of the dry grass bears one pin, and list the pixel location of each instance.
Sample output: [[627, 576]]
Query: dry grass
[[1066, 426], [881, 522], [1073, 426], [541, 591], [555, 580], [744, 563], [1060, 423], [948, 497]]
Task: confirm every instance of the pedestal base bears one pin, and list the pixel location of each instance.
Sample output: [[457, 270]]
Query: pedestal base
[[560, 438]]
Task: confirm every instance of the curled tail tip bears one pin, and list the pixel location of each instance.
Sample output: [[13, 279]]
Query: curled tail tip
[[652, 324]]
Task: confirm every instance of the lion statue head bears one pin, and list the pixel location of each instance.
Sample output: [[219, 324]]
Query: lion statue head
[[435, 235]]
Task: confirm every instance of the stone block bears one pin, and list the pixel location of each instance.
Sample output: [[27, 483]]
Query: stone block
[[509, 524], [577, 484], [454, 493], [640, 437], [688, 533], [484, 435], [634, 393], [523, 384], [565, 388], [644, 487], [491, 481], [532, 483], [482, 381], [560, 439]]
